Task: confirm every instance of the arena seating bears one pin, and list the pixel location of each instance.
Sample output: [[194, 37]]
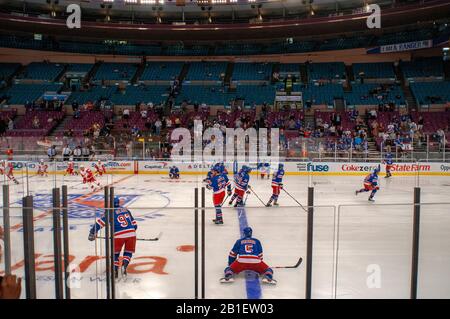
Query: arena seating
[[238, 49], [6, 114], [8, 69], [181, 50], [93, 94], [252, 71], [42, 71], [322, 94], [374, 70], [211, 95], [344, 43], [87, 120], [290, 68], [423, 68], [24, 126], [115, 72], [431, 92], [134, 119], [326, 71], [370, 94], [79, 67], [161, 71], [145, 94], [21, 93], [206, 71]]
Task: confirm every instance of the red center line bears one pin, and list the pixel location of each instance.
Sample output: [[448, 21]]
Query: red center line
[[17, 226]]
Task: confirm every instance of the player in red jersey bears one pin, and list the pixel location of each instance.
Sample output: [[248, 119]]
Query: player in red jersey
[[100, 168], [70, 169], [88, 177]]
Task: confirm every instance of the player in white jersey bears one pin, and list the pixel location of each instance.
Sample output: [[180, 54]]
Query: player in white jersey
[[42, 169]]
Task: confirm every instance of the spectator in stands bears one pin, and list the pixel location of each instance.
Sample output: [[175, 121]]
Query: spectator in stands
[[3, 127], [420, 122], [126, 114], [144, 114], [158, 125], [77, 153], [354, 114], [10, 287], [51, 152], [85, 152], [36, 124], [9, 153], [135, 131], [10, 124], [373, 114], [77, 114], [66, 152]]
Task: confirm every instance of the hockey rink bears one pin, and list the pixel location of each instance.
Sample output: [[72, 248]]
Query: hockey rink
[[361, 249]]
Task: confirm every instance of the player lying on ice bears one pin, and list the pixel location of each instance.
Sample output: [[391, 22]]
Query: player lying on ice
[[174, 173], [241, 186], [124, 235], [370, 184], [247, 254]]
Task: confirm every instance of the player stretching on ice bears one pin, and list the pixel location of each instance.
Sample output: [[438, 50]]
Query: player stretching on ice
[[277, 185], [370, 184], [174, 173], [7, 169], [124, 235], [218, 183], [42, 168], [388, 160], [88, 177], [247, 254], [70, 169], [241, 186], [99, 168]]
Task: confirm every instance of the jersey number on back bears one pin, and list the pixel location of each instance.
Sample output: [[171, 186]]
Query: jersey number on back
[[122, 219]]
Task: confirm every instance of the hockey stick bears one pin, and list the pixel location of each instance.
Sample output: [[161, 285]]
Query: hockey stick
[[142, 239], [251, 189], [294, 199], [290, 267]]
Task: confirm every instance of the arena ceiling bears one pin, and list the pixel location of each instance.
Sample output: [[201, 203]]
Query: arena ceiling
[[171, 10]]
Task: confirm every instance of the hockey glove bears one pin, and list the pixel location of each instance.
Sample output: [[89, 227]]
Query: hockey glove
[[91, 236]]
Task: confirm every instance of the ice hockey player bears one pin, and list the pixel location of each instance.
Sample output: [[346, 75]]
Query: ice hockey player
[[220, 167], [388, 161], [218, 183], [174, 173], [241, 186], [7, 169], [264, 168], [99, 168], [124, 235], [247, 254], [277, 185], [42, 169], [370, 184], [70, 169], [88, 177]]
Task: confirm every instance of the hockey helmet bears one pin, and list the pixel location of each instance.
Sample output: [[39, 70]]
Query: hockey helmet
[[116, 202], [247, 231]]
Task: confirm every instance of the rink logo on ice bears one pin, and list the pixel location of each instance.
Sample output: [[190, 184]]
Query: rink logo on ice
[[81, 206], [374, 278]]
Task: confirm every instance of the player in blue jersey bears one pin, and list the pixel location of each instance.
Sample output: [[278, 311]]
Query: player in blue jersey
[[218, 183], [241, 186], [388, 161], [247, 254], [277, 185], [124, 235], [174, 173], [370, 184], [219, 167]]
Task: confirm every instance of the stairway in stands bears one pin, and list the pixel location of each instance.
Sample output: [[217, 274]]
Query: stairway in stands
[[138, 73], [228, 74], [59, 129], [304, 73], [447, 70], [184, 72], [409, 97]]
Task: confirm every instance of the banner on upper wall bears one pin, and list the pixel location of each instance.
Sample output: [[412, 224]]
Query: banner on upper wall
[[400, 47]]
